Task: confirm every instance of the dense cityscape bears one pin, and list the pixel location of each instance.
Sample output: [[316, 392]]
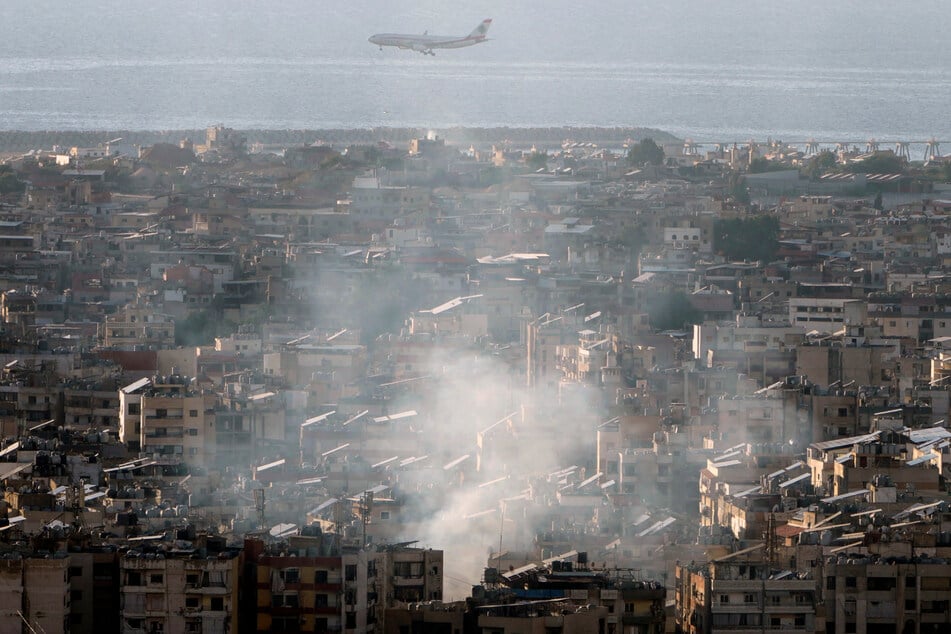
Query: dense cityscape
[[483, 382]]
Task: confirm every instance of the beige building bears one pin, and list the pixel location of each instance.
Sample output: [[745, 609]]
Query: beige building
[[317, 587], [138, 327], [35, 595], [741, 594], [167, 592], [169, 420]]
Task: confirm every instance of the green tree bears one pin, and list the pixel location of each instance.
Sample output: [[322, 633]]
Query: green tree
[[9, 183], [672, 311], [645, 152], [737, 189], [536, 161], [881, 163], [752, 238], [633, 239], [198, 329], [760, 165], [823, 162]]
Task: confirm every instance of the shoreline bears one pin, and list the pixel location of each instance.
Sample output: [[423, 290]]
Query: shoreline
[[24, 141]]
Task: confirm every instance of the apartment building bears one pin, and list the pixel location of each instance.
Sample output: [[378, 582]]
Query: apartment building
[[317, 584], [138, 328], [825, 314], [169, 419], [94, 590], [180, 590], [743, 594], [35, 595]]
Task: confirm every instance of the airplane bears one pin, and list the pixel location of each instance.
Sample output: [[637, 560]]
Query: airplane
[[425, 43]]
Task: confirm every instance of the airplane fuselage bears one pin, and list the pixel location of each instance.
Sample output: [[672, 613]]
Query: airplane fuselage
[[426, 43]]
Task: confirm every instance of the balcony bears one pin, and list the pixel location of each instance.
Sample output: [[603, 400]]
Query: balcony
[[736, 608], [408, 581], [217, 590], [738, 585], [790, 608]]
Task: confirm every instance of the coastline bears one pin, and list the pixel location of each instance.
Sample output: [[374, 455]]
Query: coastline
[[24, 141]]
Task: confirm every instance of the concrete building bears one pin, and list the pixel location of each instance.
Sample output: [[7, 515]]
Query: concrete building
[[138, 327], [36, 594], [183, 591], [742, 594], [168, 419], [318, 585]]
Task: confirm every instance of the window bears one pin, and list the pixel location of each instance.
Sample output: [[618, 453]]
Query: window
[[351, 620], [724, 598], [290, 575], [191, 578], [76, 595], [350, 573], [881, 583], [193, 413], [320, 601], [830, 583], [384, 515], [909, 582], [850, 582], [75, 571], [285, 624], [192, 602], [320, 576]]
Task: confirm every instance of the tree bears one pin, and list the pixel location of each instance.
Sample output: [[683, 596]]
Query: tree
[[737, 188], [9, 183], [752, 238], [536, 161], [881, 163], [672, 311], [824, 161], [201, 328], [633, 239], [761, 165], [645, 152]]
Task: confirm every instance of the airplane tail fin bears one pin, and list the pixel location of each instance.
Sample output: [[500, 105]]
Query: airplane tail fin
[[482, 29]]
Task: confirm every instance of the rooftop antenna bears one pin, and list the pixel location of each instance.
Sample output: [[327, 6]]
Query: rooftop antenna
[[501, 526], [75, 502], [366, 507], [259, 506]]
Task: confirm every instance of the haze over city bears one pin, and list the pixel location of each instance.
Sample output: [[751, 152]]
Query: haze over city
[[623, 318]]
